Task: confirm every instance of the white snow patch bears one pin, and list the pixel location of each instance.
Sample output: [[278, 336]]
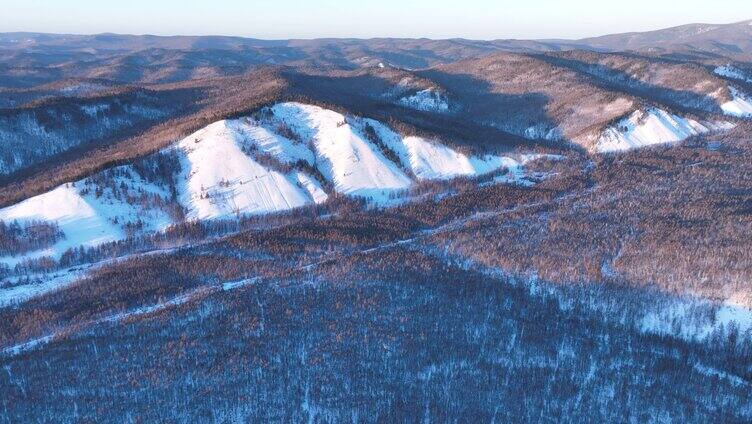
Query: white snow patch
[[732, 72], [269, 142], [220, 180], [93, 110], [313, 187], [87, 217], [517, 173], [542, 132], [428, 100], [652, 126], [429, 160], [740, 106], [23, 292], [81, 88], [702, 30], [78, 217], [432, 160], [435, 161], [697, 320], [344, 156]]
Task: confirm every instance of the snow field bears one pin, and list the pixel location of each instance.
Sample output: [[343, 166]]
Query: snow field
[[650, 127]]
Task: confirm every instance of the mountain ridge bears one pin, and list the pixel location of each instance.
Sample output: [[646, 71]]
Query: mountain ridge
[[116, 35]]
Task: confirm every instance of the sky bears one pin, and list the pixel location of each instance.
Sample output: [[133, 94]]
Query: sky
[[281, 19]]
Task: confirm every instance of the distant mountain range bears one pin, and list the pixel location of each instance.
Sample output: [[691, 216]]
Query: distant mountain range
[[734, 38], [115, 51]]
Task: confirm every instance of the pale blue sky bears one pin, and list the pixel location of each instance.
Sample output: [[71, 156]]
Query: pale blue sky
[[479, 19]]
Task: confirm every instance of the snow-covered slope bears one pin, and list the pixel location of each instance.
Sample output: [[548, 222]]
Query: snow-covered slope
[[82, 222], [219, 179], [283, 157], [740, 105], [652, 126], [90, 214], [732, 72], [313, 187], [267, 141], [432, 160], [352, 163], [428, 100]]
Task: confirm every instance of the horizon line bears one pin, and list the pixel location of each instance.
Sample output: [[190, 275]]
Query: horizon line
[[248, 37]]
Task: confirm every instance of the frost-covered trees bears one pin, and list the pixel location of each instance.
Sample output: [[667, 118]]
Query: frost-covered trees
[[19, 237]]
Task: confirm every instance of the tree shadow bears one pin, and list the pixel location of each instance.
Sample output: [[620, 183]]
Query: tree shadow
[[612, 79], [525, 114], [479, 119]]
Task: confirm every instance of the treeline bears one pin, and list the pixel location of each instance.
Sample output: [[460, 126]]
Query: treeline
[[436, 202], [20, 237], [202, 102], [676, 218], [186, 233]]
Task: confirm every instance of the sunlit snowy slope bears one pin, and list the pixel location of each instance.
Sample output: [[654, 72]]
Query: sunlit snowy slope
[[284, 157], [653, 126]]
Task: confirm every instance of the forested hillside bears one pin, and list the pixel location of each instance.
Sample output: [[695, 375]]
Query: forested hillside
[[221, 229]]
